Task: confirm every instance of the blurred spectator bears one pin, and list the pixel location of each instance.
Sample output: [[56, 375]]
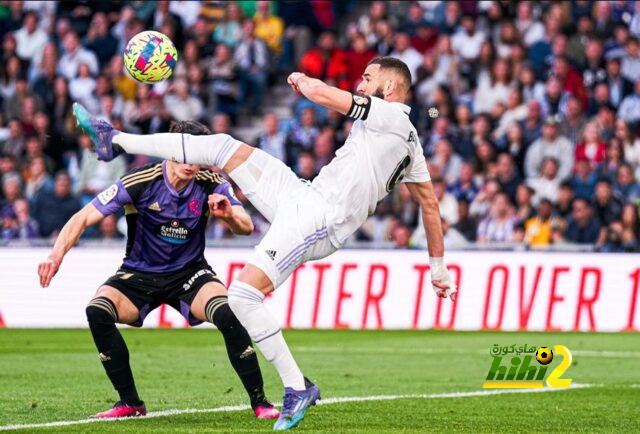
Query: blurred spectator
[[272, 140], [448, 203], [252, 57], [466, 225], [630, 107], [108, 229], [619, 87], [269, 27], [565, 198], [508, 176], [549, 145], [498, 226], [221, 124], [52, 211], [626, 185], [524, 199], [464, 187], [75, 55], [11, 190], [357, 59], [229, 31], [181, 105], [607, 206], [303, 133], [323, 149], [467, 40], [17, 222], [480, 205], [591, 148], [582, 228], [99, 40], [494, 89], [448, 163], [326, 62], [538, 228], [38, 180], [405, 52], [222, 70], [400, 236], [532, 125], [631, 61], [546, 186], [95, 175], [30, 39]]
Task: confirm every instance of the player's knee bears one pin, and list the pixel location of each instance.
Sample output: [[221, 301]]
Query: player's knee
[[101, 310]]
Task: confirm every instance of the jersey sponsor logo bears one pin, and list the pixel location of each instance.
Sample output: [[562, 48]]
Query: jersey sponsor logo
[[107, 196], [155, 206], [174, 232], [194, 207], [187, 285]]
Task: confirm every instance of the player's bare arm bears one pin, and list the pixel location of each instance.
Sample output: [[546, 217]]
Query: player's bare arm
[[422, 192], [234, 216], [321, 93], [68, 237]]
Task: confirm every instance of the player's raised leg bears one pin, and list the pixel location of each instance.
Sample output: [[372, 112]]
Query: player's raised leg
[[108, 307], [210, 304]]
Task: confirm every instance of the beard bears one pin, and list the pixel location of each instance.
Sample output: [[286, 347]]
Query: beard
[[378, 93]]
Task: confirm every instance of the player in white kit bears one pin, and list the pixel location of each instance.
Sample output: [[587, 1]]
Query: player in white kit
[[309, 220]]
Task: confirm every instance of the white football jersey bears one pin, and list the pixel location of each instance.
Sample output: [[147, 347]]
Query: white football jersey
[[382, 150]]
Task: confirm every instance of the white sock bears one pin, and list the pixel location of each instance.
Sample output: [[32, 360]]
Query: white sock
[[214, 149], [246, 303]]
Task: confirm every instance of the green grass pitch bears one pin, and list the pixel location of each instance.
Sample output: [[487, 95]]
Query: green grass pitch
[[55, 375]]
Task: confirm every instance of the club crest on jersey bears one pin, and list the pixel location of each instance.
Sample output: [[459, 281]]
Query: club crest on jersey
[[107, 196], [194, 207], [174, 232]]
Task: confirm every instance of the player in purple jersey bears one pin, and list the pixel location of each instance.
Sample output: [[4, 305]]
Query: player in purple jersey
[[167, 206]]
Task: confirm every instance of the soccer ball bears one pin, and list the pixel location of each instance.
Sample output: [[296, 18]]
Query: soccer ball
[[544, 355], [150, 57]]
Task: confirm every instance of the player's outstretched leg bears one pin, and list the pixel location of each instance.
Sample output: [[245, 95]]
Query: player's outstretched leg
[[214, 149], [114, 355]]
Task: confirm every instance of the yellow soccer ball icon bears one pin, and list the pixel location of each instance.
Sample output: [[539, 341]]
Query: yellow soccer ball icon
[[544, 355]]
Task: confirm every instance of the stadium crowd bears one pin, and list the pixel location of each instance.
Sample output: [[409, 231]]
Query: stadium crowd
[[528, 112]]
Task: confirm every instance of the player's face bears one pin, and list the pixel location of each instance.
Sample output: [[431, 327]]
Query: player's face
[[371, 84], [186, 172]]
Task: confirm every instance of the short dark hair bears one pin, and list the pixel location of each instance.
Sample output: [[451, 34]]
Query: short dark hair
[[395, 64], [194, 128]]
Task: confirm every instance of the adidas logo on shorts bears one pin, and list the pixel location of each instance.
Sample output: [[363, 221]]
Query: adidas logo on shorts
[[272, 254]]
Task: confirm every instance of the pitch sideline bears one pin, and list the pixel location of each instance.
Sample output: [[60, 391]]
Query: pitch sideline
[[328, 401]]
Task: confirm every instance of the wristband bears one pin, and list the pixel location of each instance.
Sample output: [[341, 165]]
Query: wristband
[[438, 269]]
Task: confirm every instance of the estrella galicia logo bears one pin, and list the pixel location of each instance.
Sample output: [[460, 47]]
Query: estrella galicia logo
[[174, 232], [515, 368]]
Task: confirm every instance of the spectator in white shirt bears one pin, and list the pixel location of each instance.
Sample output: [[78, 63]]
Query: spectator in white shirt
[[495, 89], [551, 144], [74, 55], [181, 105], [272, 141], [30, 39], [405, 52], [531, 30], [631, 60], [630, 108], [547, 185], [467, 41]]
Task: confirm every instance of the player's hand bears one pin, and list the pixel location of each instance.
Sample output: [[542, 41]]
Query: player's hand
[[219, 206], [445, 289], [46, 270], [293, 80]]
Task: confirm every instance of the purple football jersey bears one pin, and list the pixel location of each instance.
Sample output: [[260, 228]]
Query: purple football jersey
[[166, 227]]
